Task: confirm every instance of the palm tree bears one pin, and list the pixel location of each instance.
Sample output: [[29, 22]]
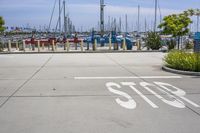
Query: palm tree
[[191, 12], [2, 22]]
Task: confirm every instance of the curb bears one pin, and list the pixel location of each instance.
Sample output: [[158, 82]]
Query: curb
[[81, 52], [180, 71]]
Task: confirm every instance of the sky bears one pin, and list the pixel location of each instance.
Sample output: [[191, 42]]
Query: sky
[[85, 13]]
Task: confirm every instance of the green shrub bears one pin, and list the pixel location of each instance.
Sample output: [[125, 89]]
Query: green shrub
[[153, 41], [183, 61], [1, 46], [189, 45], [171, 44]]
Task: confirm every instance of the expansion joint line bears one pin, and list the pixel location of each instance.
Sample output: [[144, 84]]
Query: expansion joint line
[[29, 79]]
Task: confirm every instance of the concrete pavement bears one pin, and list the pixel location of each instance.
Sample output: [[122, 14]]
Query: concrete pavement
[[95, 93]]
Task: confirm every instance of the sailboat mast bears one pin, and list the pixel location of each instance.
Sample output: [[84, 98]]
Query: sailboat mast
[[155, 21], [102, 17], [59, 16], [126, 23], [145, 25], [65, 23], [120, 25], [138, 30]]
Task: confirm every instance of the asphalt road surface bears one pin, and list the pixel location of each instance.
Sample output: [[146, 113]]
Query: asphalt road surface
[[96, 93]]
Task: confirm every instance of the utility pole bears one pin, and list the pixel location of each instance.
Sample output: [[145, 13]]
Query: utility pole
[[155, 21]]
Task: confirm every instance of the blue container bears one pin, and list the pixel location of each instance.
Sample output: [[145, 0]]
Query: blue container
[[129, 44], [197, 42]]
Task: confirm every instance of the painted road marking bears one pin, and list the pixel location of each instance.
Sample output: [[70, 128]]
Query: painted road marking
[[132, 77], [130, 104], [180, 93], [175, 102], [160, 86], [131, 85]]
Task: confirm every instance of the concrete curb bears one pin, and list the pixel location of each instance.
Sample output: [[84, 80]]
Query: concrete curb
[[180, 71], [79, 52]]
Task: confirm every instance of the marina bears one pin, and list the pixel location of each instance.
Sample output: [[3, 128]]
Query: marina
[[64, 36], [99, 66]]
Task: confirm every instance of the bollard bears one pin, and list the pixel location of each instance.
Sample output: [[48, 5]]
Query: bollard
[[64, 45], [56, 46], [124, 44], [138, 45], [110, 44], [30, 46], [23, 46], [17, 45], [42, 46], [95, 45], [81, 44], [76, 46], [33, 47], [9, 46], [38, 44], [53, 45], [68, 45], [88, 45]]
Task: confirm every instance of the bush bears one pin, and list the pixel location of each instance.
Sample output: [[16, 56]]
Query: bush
[[153, 41], [1, 46], [171, 44], [181, 60], [189, 45]]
